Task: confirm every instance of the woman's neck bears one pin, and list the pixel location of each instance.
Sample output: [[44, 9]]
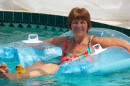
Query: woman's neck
[[81, 39]]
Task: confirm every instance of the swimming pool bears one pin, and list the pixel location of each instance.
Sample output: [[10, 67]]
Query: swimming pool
[[11, 34]]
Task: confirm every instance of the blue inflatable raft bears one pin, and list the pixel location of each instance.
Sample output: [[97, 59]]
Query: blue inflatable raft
[[112, 59]]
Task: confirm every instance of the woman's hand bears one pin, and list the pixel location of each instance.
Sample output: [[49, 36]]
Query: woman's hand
[[3, 70]]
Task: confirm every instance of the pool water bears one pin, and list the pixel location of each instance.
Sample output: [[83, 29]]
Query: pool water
[[11, 34]]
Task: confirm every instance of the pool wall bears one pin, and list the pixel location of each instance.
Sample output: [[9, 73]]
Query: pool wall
[[46, 20]]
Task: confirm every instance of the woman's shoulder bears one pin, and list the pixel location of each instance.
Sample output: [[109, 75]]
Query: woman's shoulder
[[92, 38], [95, 39]]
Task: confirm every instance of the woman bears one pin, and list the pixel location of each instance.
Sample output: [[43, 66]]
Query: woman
[[80, 45]]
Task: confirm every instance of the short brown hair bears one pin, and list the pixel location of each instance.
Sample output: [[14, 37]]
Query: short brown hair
[[79, 13]]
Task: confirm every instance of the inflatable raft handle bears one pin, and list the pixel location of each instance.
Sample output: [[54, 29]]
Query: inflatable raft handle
[[33, 37], [97, 48]]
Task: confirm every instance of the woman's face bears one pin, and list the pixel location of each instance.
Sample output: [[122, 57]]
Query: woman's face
[[79, 27]]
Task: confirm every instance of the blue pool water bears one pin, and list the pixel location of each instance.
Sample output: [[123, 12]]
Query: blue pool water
[[12, 34]]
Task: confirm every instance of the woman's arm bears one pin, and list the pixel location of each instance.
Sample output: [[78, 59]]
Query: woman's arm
[[108, 41], [59, 41]]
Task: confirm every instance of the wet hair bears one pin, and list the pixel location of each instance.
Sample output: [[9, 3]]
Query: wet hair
[[79, 13]]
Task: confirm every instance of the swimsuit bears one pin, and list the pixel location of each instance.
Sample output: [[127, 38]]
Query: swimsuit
[[67, 57]]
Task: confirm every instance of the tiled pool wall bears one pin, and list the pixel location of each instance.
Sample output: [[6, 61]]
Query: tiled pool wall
[[46, 20]]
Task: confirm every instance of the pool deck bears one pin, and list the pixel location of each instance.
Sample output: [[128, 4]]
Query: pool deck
[[124, 24]]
